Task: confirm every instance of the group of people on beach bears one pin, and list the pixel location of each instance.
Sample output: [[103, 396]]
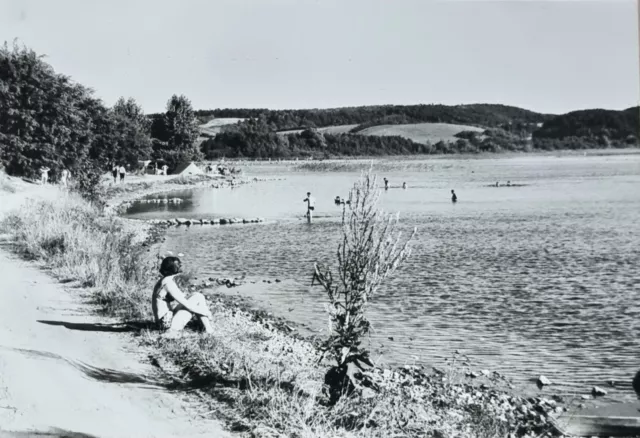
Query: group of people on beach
[[64, 176], [118, 170]]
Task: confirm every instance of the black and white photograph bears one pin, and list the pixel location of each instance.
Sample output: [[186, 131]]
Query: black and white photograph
[[319, 218]]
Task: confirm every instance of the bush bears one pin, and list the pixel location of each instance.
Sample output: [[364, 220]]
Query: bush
[[369, 252]]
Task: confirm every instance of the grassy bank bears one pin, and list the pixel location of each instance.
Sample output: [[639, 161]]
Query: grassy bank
[[263, 381]]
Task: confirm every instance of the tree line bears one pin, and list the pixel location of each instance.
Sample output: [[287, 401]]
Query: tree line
[[47, 119], [595, 128]]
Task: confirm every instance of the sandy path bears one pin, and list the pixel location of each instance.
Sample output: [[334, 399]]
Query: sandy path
[[59, 381]]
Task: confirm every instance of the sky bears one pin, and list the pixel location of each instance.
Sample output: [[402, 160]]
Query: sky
[[550, 56]]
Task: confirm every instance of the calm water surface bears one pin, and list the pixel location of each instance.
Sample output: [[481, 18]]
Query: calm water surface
[[539, 279]]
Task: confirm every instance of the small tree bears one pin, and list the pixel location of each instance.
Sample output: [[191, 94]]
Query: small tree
[[371, 249]]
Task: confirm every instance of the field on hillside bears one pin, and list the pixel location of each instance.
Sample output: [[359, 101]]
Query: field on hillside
[[213, 126], [422, 132], [338, 129], [418, 132]]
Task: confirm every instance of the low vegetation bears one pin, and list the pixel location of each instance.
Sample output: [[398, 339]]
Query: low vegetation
[[102, 253]]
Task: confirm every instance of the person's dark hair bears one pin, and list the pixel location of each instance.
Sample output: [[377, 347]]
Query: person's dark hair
[[170, 266]]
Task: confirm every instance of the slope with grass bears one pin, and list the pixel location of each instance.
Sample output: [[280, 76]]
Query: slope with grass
[[422, 132], [214, 126], [338, 129]]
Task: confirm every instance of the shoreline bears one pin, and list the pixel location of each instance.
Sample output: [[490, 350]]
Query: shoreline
[[471, 388], [539, 410]]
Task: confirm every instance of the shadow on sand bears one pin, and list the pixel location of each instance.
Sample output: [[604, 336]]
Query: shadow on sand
[[53, 432], [129, 326]]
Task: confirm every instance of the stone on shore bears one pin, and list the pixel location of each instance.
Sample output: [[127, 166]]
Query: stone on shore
[[543, 381], [596, 391], [223, 221]]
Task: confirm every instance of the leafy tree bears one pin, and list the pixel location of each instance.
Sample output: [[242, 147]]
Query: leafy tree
[[133, 132], [177, 138], [46, 119], [42, 121]]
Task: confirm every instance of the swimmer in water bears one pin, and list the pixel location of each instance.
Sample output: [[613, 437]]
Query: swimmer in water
[[454, 198]]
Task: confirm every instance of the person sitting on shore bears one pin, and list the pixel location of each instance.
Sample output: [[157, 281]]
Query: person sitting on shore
[[172, 310]]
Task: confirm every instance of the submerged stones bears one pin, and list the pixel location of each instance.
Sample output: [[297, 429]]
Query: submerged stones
[[188, 222]]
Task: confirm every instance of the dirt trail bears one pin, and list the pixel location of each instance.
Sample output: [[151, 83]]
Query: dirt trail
[[80, 379]]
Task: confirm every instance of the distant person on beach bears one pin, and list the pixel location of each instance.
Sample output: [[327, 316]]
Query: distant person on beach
[[386, 184], [508, 183], [44, 174], [164, 169], [497, 183], [454, 198], [404, 185], [172, 310], [311, 205], [114, 172], [64, 176], [123, 172]]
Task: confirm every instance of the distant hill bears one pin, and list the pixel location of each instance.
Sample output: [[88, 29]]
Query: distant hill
[[590, 128], [481, 115], [408, 129]]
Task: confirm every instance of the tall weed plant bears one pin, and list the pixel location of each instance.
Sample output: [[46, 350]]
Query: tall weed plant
[[371, 249]]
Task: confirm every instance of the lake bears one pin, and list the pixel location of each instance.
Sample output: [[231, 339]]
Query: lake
[[538, 279]]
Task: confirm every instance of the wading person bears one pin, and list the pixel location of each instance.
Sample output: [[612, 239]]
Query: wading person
[[311, 205], [386, 184], [454, 198], [172, 310]]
